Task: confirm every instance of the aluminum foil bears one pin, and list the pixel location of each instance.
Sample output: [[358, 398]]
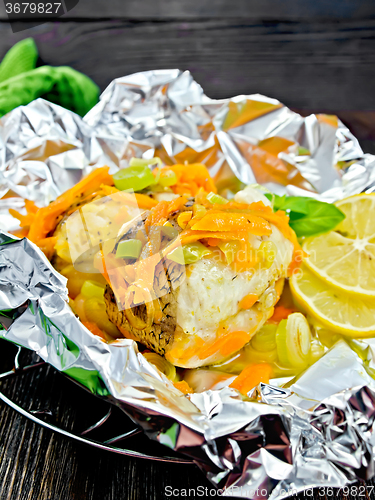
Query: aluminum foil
[[277, 441]]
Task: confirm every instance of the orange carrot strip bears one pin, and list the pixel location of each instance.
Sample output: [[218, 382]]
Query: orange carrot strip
[[20, 233], [176, 204], [279, 219], [47, 218], [213, 242], [234, 342], [93, 327], [189, 236], [192, 177], [183, 386], [25, 220], [216, 221], [183, 218], [158, 214], [226, 344], [280, 313], [144, 201], [30, 206], [248, 301], [251, 376]]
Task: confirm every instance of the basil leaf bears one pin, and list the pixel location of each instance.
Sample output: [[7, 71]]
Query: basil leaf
[[308, 217]]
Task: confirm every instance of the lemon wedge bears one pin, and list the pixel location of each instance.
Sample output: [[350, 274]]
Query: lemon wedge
[[338, 311], [345, 257]]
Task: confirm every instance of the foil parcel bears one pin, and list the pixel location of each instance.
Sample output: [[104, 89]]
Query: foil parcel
[[275, 442]]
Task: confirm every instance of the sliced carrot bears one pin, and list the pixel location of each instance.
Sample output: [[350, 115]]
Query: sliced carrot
[[176, 204], [213, 242], [190, 178], [158, 215], [108, 190], [145, 201], [226, 344], [216, 221], [280, 313], [248, 301], [183, 218], [47, 218], [279, 219], [183, 386], [25, 220], [251, 376], [93, 327], [189, 235], [298, 256], [234, 343]]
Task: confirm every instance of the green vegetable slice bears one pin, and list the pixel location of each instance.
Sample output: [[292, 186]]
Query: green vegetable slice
[[188, 254], [135, 177], [91, 289], [264, 340], [169, 178], [140, 162], [216, 198], [162, 364], [293, 341], [129, 249], [308, 217]]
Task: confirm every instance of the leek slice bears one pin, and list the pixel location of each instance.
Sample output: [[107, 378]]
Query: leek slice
[[141, 162], [167, 178], [162, 364], [91, 289], [188, 254], [129, 249], [216, 198], [230, 249], [293, 341], [265, 339], [135, 178]]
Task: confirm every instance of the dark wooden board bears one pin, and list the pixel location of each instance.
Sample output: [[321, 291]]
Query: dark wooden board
[[36, 464], [315, 56], [325, 66], [311, 66], [197, 9]]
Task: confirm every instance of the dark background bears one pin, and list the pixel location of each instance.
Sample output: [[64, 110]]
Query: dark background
[[313, 55]]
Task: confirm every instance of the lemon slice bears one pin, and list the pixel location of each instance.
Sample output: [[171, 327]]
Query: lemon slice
[[339, 311], [345, 257]]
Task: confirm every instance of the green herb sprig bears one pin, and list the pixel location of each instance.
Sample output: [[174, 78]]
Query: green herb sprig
[[307, 216]]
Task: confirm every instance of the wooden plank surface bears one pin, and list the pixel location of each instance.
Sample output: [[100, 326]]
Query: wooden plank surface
[[36, 464], [276, 10], [311, 66], [326, 66], [312, 55]]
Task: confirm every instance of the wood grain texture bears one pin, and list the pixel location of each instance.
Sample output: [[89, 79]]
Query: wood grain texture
[[327, 66], [312, 55], [313, 67], [193, 9], [36, 464]]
